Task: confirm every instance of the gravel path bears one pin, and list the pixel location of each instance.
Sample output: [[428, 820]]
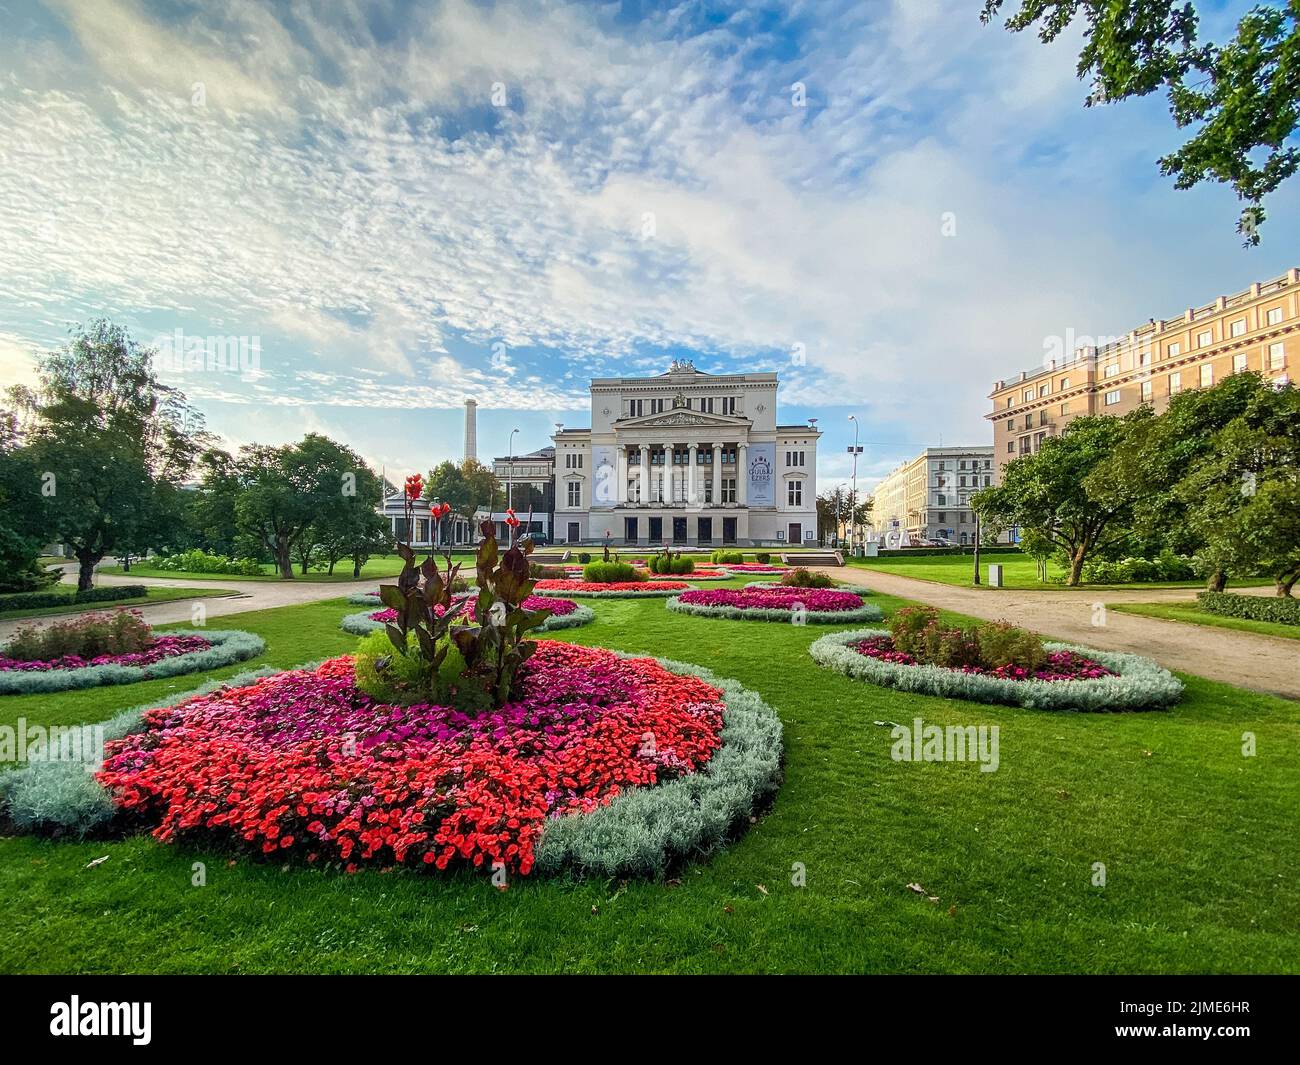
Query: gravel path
[[252, 595], [1262, 663]]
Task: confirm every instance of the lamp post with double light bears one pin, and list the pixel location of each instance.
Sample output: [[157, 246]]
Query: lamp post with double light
[[855, 450]]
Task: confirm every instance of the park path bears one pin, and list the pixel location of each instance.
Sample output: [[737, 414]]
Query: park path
[[250, 595], [1262, 663]]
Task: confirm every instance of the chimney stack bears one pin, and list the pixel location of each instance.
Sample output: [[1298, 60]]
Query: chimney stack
[[471, 429]]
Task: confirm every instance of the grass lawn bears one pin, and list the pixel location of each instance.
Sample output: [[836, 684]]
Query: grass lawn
[[1018, 571], [1199, 845], [385, 566], [152, 595], [1190, 612]]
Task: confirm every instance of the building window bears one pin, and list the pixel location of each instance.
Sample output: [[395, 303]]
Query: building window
[[794, 493], [706, 404], [1011, 447], [708, 489], [1205, 338], [728, 404], [635, 408], [1274, 316], [1112, 398], [728, 489], [1276, 356], [987, 481], [1146, 391], [1175, 383], [1174, 350], [1065, 408], [1029, 420], [1028, 395], [729, 455], [657, 406], [1065, 383], [941, 499], [1112, 369], [575, 493], [1238, 328], [1207, 375], [1238, 363], [962, 480], [1042, 390]]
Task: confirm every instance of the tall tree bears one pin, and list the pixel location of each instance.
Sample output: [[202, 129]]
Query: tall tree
[[1244, 94], [113, 445], [23, 522], [466, 486], [1045, 494]]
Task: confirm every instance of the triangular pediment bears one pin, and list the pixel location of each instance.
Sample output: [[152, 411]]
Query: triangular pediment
[[680, 416]]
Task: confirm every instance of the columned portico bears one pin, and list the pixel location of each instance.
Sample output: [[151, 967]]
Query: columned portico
[[709, 459]]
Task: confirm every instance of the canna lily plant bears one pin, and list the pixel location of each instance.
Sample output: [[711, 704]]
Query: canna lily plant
[[496, 648]]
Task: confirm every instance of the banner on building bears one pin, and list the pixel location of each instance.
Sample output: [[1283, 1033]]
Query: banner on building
[[604, 476], [762, 475]]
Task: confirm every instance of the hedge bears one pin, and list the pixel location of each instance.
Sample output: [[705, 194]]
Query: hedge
[[866, 612], [62, 798], [40, 600], [642, 831], [360, 624], [228, 646], [960, 549], [1282, 611], [628, 593], [1141, 684]]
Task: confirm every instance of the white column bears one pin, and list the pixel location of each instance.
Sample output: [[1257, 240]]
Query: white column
[[645, 473], [717, 474], [692, 492], [742, 476]]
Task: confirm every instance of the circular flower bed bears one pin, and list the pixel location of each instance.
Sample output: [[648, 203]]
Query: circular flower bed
[[1074, 678], [365, 598], [609, 590], [565, 614], [772, 602], [604, 764], [169, 655]]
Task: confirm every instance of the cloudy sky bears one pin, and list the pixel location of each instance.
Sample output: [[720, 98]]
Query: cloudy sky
[[406, 204]]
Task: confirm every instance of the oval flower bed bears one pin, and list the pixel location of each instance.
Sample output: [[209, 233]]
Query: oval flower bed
[[1073, 677], [565, 614], [168, 655], [604, 763], [775, 603], [609, 590], [742, 568]]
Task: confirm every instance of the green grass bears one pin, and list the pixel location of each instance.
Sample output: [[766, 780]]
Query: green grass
[[1193, 614], [152, 595], [1199, 844], [1018, 572], [386, 566]]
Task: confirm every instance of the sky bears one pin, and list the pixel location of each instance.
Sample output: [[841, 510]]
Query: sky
[[397, 206]]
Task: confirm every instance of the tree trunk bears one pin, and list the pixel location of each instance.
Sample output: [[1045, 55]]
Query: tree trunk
[[356, 569], [86, 571], [1218, 580], [283, 559], [304, 565], [1076, 567], [1285, 583], [331, 569], [126, 564]]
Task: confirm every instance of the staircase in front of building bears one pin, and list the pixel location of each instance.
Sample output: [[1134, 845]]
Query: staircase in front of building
[[814, 558]]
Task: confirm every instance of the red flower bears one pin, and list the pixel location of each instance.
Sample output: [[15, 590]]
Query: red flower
[[414, 486], [511, 520]]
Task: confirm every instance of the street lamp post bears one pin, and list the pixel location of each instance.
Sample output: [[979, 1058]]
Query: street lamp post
[[510, 473], [855, 451]]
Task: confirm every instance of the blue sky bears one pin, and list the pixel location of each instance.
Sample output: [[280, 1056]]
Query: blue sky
[[406, 204]]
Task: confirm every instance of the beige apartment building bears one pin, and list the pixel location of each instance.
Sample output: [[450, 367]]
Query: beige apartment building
[[928, 498], [1258, 329]]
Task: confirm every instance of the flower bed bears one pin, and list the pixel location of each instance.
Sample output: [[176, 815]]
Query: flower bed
[[605, 764], [1074, 678], [771, 602], [170, 655], [565, 614], [742, 568], [610, 590]]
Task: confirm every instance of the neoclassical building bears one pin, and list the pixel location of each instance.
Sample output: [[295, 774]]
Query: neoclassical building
[[687, 458]]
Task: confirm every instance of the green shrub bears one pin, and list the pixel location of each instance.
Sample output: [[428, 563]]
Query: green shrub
[[197, 561], [1254, 607], [608, 572], [402, 680], [907, 625], [39, 600], [88, 636], [736, 557], [682, 565], [802, 577], [1003, 644], [1166, 567], [763, 558], [539, 572], [584, 557]]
